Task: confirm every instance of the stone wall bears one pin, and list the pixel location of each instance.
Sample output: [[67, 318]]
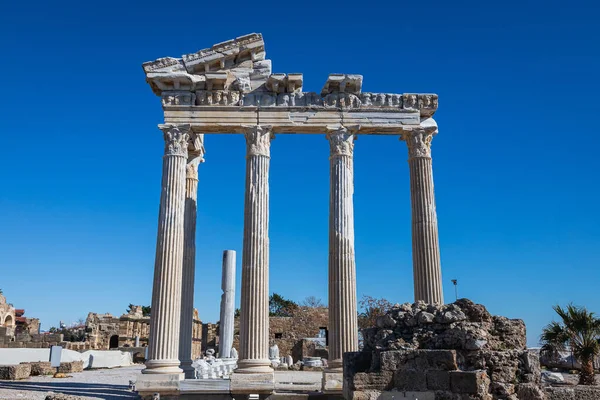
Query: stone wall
[[289, 332], [124, 329], [7, 313], [35, 341], [453, 351]]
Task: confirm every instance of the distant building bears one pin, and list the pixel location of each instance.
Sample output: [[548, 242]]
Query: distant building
[[13, 321]]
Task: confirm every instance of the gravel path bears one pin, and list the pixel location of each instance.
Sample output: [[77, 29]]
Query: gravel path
[[106, 384]]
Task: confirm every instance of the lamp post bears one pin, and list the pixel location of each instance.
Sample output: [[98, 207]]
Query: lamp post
[[455, 283]]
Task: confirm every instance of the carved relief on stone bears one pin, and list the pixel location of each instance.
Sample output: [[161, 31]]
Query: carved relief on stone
[[258, 140], [341, 100], [195, 154], [418, 142], [182, 98], [381, 100], [217, 97], [176, 139], [409, 101], [428, 104], [341, 140], [191, 168]]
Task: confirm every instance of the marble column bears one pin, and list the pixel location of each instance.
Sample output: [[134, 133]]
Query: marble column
[[343, 326], [166, 291], [425, 247], [227, 305], [195, 157], [254, 322]]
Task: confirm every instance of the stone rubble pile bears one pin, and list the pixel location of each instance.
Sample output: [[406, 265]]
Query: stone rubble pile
[[443, 352]]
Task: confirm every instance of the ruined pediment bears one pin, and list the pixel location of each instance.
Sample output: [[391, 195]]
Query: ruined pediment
[[236, 73]]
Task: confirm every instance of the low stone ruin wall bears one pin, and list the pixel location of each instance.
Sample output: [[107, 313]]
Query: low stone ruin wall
[[27, 369], [573, 393], [451, 352], [41, 368]]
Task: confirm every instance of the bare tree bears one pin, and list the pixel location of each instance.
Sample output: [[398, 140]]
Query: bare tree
[[373, 308], [312, 302]]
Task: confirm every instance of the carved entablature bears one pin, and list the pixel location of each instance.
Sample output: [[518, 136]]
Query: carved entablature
[[226, 54], [217, 97], [344, 83], [266, 99], [178, 98], [341, 100], [282, 83], [235, 73]]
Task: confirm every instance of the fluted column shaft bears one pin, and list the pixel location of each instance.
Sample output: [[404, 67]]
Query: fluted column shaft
[[227, 320], [166, 292], [425, 246], [343, 326], [254, 322], [189, 261]]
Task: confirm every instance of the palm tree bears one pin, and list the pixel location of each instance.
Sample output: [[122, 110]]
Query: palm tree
[[579, 331]]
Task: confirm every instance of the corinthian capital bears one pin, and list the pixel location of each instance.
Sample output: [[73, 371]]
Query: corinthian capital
[[341, 140], [191, 169], [418, 142], [176, 139], [258, 140]]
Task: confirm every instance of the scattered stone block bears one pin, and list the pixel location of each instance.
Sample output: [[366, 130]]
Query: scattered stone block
[[70, 367], [41, 368], [15, 372], [471, 382]]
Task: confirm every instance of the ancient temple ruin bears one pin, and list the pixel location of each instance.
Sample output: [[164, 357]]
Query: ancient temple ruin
[[230, 89]]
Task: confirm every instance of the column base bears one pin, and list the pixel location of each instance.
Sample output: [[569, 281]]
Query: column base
[[162, 367], [254, 367], [336, 365], [252, 383], [165, 384], [332, 382]]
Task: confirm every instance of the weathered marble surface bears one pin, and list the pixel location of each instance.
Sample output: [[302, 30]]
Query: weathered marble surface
[[427, 270], [227, 305], [343, 326], [226, 85], [254, 321], [163, 351]]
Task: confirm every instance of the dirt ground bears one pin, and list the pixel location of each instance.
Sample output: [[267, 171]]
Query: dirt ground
[[105, 384]]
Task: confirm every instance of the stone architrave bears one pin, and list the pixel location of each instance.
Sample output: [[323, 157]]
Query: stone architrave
[[343, 325], [166, 292], [254, 322], [425, 247], [227, 305], [195, 157]]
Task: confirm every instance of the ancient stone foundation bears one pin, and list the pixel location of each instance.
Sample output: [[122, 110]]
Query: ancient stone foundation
[[451, 352]]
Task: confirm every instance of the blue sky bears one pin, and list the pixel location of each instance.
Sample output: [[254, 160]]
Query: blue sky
[[515, 162]]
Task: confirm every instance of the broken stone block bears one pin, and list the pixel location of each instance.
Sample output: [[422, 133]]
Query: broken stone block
[[70, 367], [530, 391], [15, 372], [412, 380], [373, 381], [41, 368], [438, 380], [425, 360], [470, 382], [392, 360]]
